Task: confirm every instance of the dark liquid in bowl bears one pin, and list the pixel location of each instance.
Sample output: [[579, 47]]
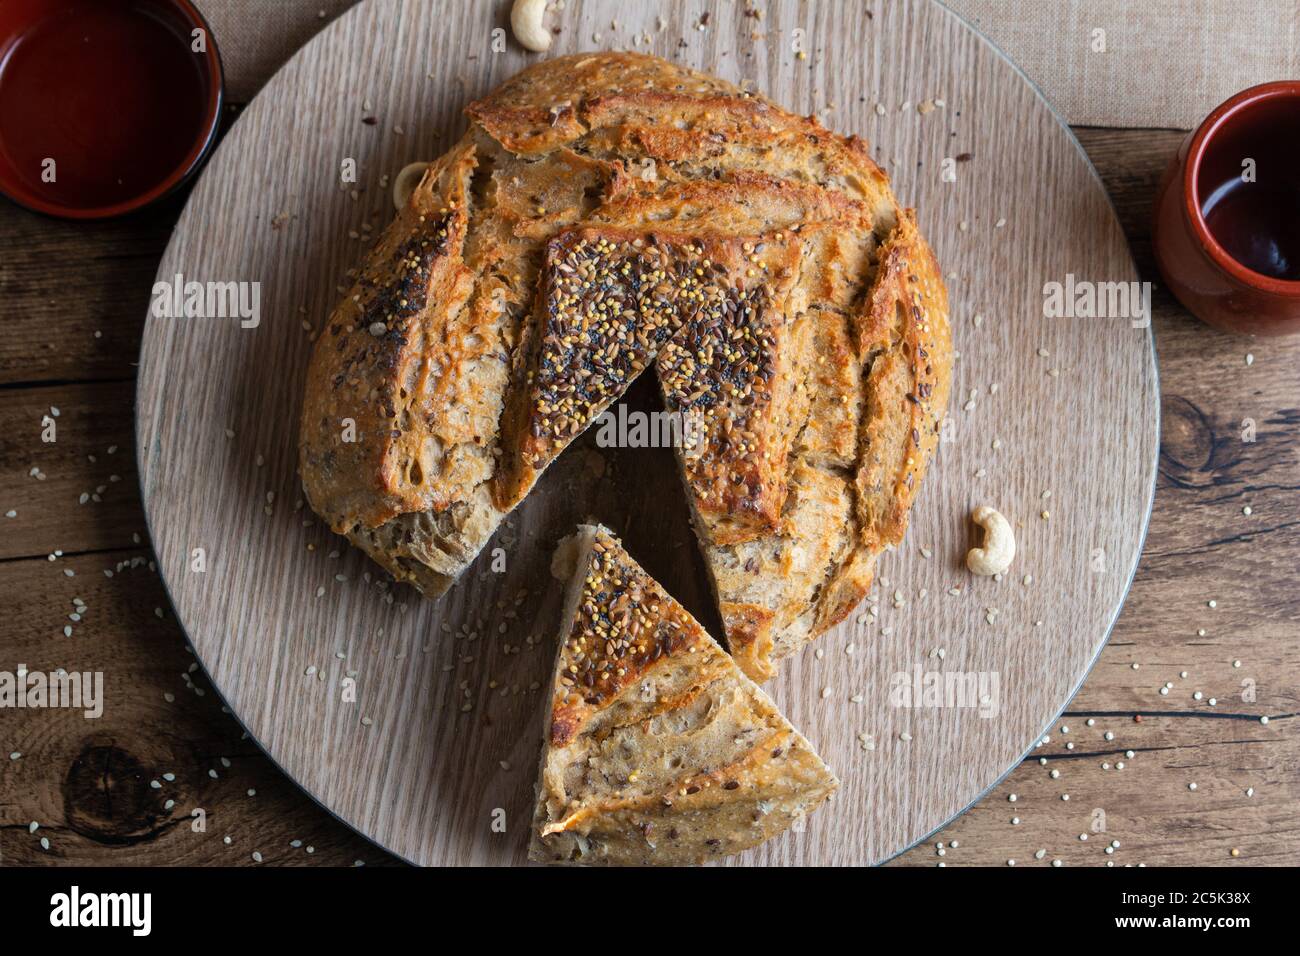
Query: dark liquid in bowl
[[1258, 225], [1256, 218], [108, 89]]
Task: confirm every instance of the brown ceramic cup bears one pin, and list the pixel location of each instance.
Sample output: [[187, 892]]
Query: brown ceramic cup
[[1227, 215], [114, 94]]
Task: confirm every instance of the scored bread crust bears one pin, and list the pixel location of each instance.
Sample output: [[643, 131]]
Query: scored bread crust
[[657, 749], [604, 213]]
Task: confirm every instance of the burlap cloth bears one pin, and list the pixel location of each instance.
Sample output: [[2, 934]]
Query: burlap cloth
[[1166, 63]]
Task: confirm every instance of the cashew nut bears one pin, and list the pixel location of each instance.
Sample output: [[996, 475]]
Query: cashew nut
[[999, 543], [406, 182], [526, 22]]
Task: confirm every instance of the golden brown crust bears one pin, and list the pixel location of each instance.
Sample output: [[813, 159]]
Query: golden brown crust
[[363, 426], [749, 637], [658, 749], [538, 109], [906, 335], [609, 211]]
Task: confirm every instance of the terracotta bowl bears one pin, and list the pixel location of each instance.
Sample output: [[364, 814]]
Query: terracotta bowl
[[111, 97], [1216, 286]]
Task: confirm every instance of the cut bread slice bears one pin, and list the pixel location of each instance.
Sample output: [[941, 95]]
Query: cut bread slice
[[658, 749]]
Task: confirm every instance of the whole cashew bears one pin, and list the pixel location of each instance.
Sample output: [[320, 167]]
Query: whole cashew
[[999, 543], [526, 22], [406, 182]]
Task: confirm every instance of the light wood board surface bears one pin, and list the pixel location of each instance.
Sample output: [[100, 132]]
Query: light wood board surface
[[1113, 63], [445, 727]]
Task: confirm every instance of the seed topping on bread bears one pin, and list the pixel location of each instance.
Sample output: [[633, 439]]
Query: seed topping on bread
[[609, 304], [721, 369], [624, 623]]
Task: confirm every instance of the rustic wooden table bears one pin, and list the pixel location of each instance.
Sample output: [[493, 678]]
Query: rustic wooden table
[[1195, 775]]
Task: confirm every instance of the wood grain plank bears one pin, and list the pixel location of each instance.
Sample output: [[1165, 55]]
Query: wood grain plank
[[73, 296], [89, 782], [1147, 805], [79, 491]]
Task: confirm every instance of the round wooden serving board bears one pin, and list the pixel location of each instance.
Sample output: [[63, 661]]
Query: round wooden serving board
[[435, 757]]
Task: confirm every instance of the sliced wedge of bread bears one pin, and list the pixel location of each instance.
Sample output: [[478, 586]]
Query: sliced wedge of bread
[[658, 749]]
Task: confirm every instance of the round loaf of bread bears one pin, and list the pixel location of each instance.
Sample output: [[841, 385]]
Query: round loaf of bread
[[609, 212]]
